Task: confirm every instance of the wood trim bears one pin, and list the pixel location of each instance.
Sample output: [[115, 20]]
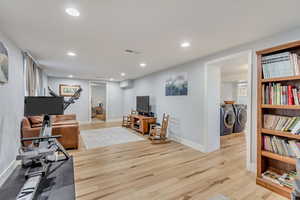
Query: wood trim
[[281, 190], [288, 78], [279, 48], [280, 133], [278, 157], [260, 164], [291, 107]]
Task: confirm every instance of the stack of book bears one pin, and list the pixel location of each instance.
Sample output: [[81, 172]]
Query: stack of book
[[281, 146], [282, 123], [280, 65], [277, 94], [287, 179]]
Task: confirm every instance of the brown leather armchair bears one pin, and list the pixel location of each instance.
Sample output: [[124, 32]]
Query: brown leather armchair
[[64, 125]]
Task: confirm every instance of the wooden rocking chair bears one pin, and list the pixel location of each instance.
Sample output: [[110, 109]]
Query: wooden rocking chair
[[158, 133], [127, 120]]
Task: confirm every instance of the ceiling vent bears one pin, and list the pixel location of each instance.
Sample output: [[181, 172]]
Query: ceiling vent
[[130, 51]]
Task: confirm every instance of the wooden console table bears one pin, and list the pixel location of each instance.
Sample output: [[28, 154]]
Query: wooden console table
[[141, 123]]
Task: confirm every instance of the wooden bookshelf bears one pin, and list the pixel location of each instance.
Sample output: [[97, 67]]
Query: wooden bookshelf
[[268, 160]]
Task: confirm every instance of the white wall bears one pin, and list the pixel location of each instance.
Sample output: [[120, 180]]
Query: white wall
[[228, 91], [114, 99], [11, 109], [185, 111], [189, 113], [81, 106], [114, 103]]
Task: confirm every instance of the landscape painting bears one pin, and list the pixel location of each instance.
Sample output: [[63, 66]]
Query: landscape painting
[[3, 64], [177, 85], [68, 90]]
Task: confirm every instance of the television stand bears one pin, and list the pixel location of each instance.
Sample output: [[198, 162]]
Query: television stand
[[141, 123]]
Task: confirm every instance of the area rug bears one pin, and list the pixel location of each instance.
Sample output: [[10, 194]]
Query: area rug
[[108, 136]]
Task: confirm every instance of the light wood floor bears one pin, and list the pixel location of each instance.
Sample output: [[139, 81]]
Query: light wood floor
[[142, 171]]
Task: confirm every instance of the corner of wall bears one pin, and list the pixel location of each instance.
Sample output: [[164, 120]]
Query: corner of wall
[[188, 143], [8, 171]]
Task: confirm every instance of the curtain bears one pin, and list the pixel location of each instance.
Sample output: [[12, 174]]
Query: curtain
[[32, 77]]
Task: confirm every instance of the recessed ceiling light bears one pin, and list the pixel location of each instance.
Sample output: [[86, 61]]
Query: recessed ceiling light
[[111, 79], [70, 53], [70, 76], [73, 12], [185, 44], [123, 74], [143, 65]]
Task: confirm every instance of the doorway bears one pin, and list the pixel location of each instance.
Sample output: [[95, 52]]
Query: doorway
[[228, 102], [98, 102]]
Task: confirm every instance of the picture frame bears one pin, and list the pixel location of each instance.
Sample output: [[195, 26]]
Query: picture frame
[[67, 90], [177, 85]]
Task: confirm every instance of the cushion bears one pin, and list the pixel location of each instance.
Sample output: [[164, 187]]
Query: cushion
[[35, 119], [67, 122]]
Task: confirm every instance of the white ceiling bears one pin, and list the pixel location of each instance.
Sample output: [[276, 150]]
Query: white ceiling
[[156, 28]]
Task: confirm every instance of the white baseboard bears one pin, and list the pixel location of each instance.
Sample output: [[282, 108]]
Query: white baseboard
[[8, 171], [114, 120], [84, 122], [188, 143]]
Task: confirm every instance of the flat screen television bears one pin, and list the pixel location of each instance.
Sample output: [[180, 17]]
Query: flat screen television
[[142, 104]]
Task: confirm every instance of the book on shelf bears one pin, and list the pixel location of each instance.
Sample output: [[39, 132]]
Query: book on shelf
[[282, 123], [286, 179], [281, 146], [281, 65], [278, 94]]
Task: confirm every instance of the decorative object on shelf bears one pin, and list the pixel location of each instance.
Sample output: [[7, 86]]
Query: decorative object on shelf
[[177, 85], [68, 90], [229, 102], [158, 133], [3, 64]]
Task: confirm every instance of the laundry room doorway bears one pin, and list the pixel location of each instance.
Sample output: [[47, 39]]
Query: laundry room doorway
[[98, 102], [228, 103]]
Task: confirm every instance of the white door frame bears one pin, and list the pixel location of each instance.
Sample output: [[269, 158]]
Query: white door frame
[[212, 112], [90, 102]]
